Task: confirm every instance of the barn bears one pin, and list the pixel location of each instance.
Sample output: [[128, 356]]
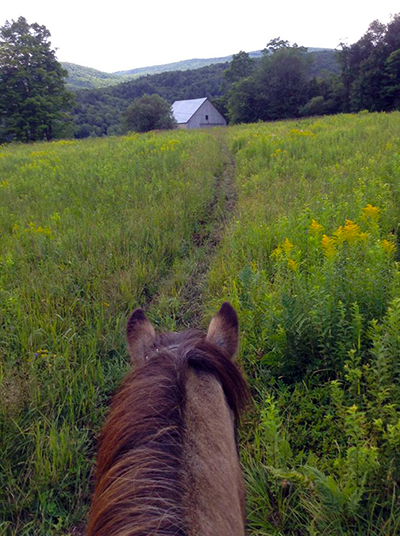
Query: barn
[[197, 113]]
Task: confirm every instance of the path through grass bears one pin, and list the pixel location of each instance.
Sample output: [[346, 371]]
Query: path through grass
[[296, 223]]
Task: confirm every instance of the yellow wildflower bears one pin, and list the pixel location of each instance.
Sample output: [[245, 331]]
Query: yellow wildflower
[[316, 227], [276, 152], [42, 352], [38, 229], [38, 153], [388, 247], [287, 246], [43, 230], [283, 249], [298, 132], [293, 265], [371, 213], [277, 253], [350, 232], [63, 142], [329, 246]]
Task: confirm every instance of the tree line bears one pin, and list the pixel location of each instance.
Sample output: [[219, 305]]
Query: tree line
[[286, 82], [280, 87], [103, 111]]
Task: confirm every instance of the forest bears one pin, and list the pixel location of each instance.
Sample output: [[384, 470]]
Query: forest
[[287, 81], [99, 112]]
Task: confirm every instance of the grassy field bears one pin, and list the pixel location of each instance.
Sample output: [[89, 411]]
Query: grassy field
[[311, 262], [309, 257], [89, 231]]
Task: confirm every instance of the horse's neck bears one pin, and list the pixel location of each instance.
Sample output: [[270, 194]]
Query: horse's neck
[[215, 500]]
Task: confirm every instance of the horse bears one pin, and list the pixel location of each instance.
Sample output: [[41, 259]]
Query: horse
[[168, 461]]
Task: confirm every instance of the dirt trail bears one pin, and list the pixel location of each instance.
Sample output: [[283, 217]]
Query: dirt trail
[[194, 289], [206, 239]]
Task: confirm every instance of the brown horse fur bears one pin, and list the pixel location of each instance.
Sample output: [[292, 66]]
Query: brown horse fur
[[168, 461]]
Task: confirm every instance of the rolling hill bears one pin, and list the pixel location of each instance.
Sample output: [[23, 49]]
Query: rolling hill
[[80, 77]]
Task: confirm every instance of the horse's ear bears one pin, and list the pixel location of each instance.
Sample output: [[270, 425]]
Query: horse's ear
[[140, 335], [223, 330]]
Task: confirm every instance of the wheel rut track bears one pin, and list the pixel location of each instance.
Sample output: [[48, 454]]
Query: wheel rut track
[[206, 240]]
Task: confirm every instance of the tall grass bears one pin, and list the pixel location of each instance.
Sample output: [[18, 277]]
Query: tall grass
[[89, 230], [310, 259], [311, 264]]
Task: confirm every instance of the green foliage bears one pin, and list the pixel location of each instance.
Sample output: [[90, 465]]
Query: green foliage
[[283, 82], [90, 230], [276, 44], [80, 77], [310, 262], [370, 68], [99, 112], [315, 106], [310, 259], [281, 85], [32, 93], [149, 112], [240, 67], [277, 89]]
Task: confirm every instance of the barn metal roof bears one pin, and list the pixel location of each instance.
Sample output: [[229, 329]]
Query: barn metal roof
[[183, 110]]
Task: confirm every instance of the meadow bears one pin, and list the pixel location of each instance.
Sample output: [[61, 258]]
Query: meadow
[[308, 254]]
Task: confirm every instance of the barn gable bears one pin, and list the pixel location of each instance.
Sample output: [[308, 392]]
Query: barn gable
[[197, 113]]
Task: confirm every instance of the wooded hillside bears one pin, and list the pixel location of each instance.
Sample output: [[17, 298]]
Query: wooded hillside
[[98, 112]]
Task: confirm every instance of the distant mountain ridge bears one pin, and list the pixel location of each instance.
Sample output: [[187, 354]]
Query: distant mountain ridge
[[183, 65], [80, 77]]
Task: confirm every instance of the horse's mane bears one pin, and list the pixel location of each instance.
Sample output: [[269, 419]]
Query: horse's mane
[[140, 484]]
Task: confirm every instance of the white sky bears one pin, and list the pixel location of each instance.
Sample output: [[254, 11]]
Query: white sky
[[119, 35]]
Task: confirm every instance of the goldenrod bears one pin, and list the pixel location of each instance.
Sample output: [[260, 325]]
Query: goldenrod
[[371, 213], [316, 227], [329, 246]]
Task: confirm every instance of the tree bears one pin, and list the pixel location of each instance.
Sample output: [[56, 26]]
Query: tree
[[33, 97], [150, 112], [276, 44], [370, 68], [284, 77], [277, 89], [245, 103], [391, 91], [315, 106], [240, 67]]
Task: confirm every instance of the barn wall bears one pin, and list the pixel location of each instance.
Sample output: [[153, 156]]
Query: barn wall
[[198, 120]]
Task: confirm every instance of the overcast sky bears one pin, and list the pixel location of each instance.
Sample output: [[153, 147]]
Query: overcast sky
[[118, 35]]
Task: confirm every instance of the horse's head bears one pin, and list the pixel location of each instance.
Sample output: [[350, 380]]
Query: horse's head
[[223, 334], [192, 350], [168, 462]]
